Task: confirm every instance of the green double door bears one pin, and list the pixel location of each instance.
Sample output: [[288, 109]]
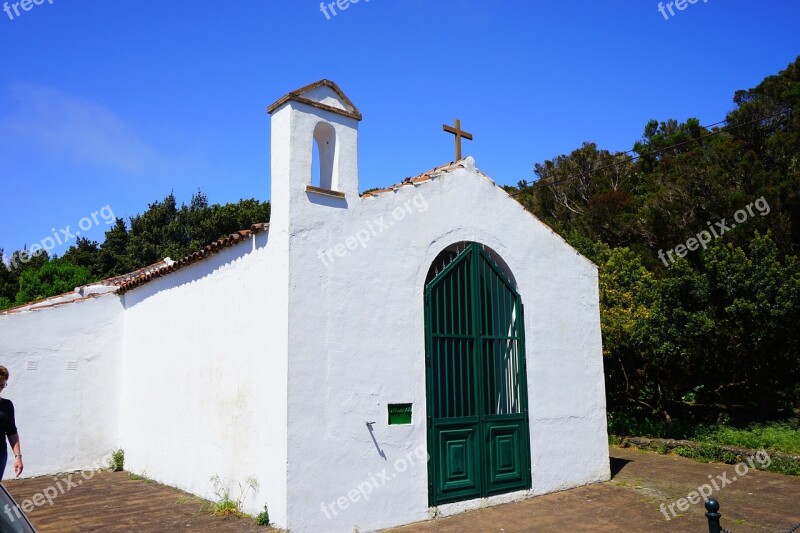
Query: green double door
[[478, 435]]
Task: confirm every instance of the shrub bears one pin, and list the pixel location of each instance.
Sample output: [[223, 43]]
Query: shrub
[[117, 461], [262, 519]]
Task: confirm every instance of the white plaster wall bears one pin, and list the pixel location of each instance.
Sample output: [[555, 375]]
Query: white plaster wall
[[569, 439], [356, 342], [67, 419], [204, 386]]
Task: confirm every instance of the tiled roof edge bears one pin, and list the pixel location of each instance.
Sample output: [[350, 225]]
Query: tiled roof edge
[[212, 249], [425, 176]]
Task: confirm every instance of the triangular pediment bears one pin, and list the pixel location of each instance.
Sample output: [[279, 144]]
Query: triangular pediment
[[323, 94]]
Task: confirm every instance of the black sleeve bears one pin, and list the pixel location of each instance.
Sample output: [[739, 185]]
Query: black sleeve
[[11, 426]]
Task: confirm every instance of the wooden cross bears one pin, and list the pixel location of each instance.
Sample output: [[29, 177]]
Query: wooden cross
[[459, 133]]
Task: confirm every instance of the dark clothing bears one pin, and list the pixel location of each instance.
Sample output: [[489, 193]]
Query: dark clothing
[[8, 426]]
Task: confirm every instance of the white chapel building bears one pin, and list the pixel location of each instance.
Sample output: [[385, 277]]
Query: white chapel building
[[372, 360]]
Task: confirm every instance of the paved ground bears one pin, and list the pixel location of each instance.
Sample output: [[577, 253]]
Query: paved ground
[[110, 501], [642, 481], [630, 502]]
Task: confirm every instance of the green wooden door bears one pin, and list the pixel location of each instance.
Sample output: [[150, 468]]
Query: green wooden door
[[476, 386]]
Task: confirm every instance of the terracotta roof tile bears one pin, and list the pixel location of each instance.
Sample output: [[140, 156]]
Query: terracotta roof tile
[[425, 176]]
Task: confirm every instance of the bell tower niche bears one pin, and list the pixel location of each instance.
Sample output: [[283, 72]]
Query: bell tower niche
[[314, 126]]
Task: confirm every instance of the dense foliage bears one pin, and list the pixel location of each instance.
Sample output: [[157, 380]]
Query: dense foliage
[[163, 230], [717, 328]]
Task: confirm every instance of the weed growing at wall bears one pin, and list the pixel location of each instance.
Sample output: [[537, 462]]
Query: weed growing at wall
[[262, 519], [227, 505], [117, 461]]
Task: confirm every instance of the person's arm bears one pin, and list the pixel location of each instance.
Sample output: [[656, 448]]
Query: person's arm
[[14, 440]]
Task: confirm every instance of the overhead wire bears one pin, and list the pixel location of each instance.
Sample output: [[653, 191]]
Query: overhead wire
[[629, 158]]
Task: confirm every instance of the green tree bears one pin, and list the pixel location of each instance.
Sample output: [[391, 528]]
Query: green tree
[[54, 277], [114, 259], [85, 253], [755, 297], [8, 282], [677, 337], [626, 296]]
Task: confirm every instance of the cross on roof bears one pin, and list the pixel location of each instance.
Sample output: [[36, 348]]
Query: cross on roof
[[459, 133]]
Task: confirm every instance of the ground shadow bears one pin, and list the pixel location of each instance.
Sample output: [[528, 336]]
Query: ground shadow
[[617, 465]]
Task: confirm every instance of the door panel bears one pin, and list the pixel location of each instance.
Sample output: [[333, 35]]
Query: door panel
[[459, 470], [507, 469]]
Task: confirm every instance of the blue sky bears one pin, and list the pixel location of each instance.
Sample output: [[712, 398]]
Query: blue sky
[[118, 103]]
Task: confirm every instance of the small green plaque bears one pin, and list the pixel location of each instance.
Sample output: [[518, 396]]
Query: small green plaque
[[399, 413]]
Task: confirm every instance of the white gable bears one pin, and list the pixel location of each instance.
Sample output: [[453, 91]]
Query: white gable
[[326, 95]]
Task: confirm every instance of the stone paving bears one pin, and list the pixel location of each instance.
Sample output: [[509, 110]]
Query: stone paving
[[111, 501], [642, 481], [630, 502]]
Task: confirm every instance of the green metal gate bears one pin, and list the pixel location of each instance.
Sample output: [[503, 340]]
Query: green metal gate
[[478, 436]]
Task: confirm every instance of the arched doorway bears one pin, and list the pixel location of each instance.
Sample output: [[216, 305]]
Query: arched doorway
[[478, 435]]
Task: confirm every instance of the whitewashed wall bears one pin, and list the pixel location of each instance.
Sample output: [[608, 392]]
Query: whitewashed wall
[[66, 415], [356, 334], [204, 386]]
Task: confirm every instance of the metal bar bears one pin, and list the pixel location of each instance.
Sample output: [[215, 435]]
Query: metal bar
[[467, 392], [459, 322], [492, 388], [448, 344]]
